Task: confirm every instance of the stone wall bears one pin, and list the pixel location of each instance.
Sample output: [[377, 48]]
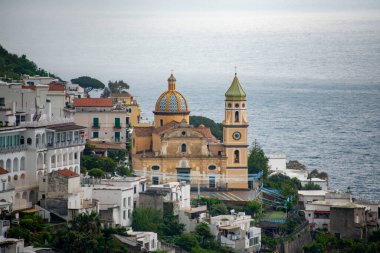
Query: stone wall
[[299, 240]]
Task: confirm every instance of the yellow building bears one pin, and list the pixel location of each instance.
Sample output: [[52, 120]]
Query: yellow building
[[174, 150]]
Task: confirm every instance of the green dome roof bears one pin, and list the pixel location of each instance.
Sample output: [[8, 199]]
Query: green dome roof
[[235, 92]]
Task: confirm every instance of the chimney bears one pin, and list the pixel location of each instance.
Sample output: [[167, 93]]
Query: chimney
[[48, 109]]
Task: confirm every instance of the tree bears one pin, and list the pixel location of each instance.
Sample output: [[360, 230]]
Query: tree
[[216, 128], [187, 241], [204, 236], [13, 66], [311, 186], [88, 83], [295, 165], [96, 172], [117, 86], [257, 161], [252, 207], [146, 219], [218, 209], [106, 93]]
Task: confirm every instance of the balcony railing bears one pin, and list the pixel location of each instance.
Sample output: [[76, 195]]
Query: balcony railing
[[96, 126], [66, 143], [117, 126], [17, 148]]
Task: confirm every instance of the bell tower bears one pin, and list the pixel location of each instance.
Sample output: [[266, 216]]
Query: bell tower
[[235, 126]]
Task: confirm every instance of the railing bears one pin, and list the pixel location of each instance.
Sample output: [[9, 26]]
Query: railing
[[65, 143], [96, 126], [117, 126], [17, 148]]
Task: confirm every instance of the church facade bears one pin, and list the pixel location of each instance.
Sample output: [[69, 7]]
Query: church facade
[[173, 150]]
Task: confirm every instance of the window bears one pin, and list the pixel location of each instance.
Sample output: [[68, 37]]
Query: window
[[183, 148], [124, 215], [236, 156], [2, 101], [29, 141], [117, 136], [155, 180], [95, 134], [183, 133], [134, 189], [229, 105], [212, 167], [161, 122], [22, 140], [129, 213], [130, 110], [129, 202], [236, 105], [155, 167], [124, 202], [237, 116], [127, 120], [117, 123], [95, 122]]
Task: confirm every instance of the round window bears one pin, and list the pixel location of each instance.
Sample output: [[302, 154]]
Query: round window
[[229, 105], [236, 136], [212, 167], [155, 167], [237, 105], [183, 133]]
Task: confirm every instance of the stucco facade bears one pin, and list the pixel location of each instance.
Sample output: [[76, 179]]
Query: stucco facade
[[173, 150]]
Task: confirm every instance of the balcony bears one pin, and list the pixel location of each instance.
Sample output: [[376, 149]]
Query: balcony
[[65, 144], [12, 149]]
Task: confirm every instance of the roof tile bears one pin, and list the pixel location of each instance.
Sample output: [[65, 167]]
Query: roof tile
[[93, 102], [67, 173]]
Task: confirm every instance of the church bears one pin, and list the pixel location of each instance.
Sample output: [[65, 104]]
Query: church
[[173, 150]]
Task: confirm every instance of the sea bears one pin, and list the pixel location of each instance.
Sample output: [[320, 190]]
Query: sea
[[312, 78]]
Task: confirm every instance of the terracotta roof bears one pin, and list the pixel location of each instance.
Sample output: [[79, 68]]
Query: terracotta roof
[[100, 145], [163, 128], [67, 173], [3, 171], [30, 87], [92, 102], [56, 87], [143, 131], [120, 95], [206, 132]]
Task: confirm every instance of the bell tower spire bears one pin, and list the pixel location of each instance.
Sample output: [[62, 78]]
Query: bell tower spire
[[235, 130]]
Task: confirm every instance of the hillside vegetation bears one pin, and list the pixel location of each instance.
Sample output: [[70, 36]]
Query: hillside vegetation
[[216, 128], [13, 66]]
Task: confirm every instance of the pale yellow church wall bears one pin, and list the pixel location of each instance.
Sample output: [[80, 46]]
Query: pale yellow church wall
[[237, 178], [243, 157], [140, 144], [169, 118], [156, 142]]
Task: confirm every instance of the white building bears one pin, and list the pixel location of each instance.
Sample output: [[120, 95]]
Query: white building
[[177, 193], [277, 165], [317, 213], [33, 142], [235, 231], [140, 241], [115, 204]]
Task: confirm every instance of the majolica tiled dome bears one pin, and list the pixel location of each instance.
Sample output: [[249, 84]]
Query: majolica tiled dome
[[171, 100]]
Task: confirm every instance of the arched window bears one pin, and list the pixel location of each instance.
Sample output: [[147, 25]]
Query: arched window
[[212, 167], [236, 156], [155, 167], [183, 148], [237, 116], [29, 141], [161, 122]]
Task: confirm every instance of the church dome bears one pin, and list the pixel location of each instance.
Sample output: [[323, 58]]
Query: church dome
[[171, 101]]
